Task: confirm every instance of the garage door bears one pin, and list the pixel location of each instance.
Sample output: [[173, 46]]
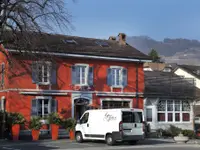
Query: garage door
[[115, 104]]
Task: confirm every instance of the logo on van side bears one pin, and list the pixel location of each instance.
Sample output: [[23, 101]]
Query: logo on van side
[[109, 117]]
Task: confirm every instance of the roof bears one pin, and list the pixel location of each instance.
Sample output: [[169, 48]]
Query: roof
[[73, 45], [159, 66], [155, 66], [194, 70], [167, 84]]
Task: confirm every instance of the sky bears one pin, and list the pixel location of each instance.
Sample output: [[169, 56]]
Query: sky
[[157, 19]]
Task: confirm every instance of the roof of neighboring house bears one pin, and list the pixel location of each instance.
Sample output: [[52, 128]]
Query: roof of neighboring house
[[194, 70], [75, 45], [167, 84], [155, 66]]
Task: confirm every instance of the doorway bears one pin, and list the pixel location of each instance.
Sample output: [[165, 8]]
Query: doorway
[[80, 106]]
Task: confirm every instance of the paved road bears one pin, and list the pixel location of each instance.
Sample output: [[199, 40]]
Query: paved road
[[68, 145]]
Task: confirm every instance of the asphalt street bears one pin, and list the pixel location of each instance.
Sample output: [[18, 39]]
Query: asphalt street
[[68, 145]]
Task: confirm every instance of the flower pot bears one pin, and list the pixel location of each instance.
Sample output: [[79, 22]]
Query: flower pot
[[71, 135], [15, 132], [54, 131], [35, 135], [181, 139]]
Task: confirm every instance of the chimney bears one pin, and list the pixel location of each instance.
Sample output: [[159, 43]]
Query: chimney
[[122, 38], [112, 38]]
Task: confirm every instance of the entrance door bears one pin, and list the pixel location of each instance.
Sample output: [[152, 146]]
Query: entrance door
[[80, 106]]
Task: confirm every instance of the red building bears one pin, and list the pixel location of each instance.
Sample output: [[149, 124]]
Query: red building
[[83, 73]]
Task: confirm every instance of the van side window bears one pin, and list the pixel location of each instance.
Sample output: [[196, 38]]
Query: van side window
[[84, 119], [137, 117]]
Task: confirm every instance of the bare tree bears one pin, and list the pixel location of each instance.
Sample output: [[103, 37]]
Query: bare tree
[[21, 19]]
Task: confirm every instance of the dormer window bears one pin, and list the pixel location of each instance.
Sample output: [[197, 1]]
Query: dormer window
[[167, 69]]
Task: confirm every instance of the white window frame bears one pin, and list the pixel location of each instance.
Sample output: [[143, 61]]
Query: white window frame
[[41, 63], [174, 112], [116, 99], [115, 76], [38, 98], [86, 74]]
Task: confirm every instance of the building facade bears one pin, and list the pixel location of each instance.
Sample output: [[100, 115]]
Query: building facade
[[76, 74], [169, 100]]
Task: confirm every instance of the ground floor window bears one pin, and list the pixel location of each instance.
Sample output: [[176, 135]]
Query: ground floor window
[[43, 107], [173, 111], [115, 104], [149, 114]]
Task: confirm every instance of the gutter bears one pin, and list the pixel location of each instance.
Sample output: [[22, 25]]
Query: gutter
[[83, 56]]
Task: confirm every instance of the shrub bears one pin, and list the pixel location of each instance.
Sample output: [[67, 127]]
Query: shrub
[[54, 118], [190, 133], [35, 123], [70, 124], [16, 118], [174, 131]]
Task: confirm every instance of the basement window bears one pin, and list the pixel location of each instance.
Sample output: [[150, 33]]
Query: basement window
[[102, 43]]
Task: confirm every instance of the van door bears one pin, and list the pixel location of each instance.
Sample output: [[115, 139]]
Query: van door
[[132, 123], [138, 123], [84, 125]]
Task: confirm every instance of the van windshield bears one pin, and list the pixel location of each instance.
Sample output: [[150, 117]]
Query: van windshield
[[131, 117]]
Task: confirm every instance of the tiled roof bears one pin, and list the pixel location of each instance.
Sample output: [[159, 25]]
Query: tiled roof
[[167, 84], [74, 45]]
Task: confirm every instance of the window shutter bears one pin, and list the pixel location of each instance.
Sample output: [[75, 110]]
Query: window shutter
[[90, 76], [53, 105], [124, 77], [53, 74], [34, 107], [73, 75], [109, 76], [34, 72]]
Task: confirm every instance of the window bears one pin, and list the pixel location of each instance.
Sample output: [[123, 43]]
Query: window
[[82, 75], [115, 104], [173, 111], [102, 43], [149, 114], [85, 118], [117, 76], [2, 73], [131, 117], [43, 106], [43, 73]]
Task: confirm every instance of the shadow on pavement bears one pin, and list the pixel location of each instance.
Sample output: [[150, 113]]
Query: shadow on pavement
[[143, 142]]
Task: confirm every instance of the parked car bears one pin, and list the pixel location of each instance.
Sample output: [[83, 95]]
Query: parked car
[[111, 125]]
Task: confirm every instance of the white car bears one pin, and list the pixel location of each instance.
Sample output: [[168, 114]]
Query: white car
[[111, 125]]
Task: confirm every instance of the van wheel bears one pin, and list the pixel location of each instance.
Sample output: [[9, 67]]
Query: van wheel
[[109, 140], [79, 137]]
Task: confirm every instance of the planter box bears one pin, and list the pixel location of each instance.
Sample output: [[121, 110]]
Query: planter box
[[181, 139]]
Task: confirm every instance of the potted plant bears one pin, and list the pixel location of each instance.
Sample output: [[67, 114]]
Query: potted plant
[[54, 121], [181, 138], [35, 125], [71, 123], [15, 120]]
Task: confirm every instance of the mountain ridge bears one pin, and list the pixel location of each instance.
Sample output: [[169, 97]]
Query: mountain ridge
[[177, 50]]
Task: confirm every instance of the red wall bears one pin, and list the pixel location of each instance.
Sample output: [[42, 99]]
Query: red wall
[[21, 74]]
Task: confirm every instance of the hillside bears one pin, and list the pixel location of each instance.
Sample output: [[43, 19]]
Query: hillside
[[182, 51]]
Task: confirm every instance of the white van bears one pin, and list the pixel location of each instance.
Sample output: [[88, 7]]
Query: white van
[[111, 125]]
